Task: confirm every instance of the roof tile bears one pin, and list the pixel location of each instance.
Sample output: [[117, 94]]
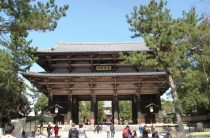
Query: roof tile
[[97, 47]]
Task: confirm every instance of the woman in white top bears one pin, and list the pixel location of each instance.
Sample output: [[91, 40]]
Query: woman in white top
[[81, 131]]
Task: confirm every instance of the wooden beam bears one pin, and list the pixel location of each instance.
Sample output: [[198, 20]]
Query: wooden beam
[[69, 63], [91, 62], [81, 58], [119, 88], [105, 82], [49, 62], [86, 65]]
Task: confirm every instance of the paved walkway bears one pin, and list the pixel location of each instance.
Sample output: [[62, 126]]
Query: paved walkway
[[63, 133], [91, 134]]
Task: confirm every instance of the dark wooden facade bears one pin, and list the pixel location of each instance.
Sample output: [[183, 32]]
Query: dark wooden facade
[[94, 72]]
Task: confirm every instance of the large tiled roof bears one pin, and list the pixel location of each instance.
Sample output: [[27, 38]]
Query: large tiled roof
[[92, 74], [97, 47]]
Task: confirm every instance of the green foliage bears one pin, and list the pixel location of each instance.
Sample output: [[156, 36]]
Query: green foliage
[[125, 111], [170, 42], [24, 106], [168, 109], [30, 15], [41, 104], [193, 89], [10, 85], [18, 18], [84, 111], [5, 63], [161, 33], [101, 115], [21, 16], [199, 134], [167, 106]]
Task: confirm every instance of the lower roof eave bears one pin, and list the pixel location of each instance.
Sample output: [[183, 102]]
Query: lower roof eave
[[99, 74]]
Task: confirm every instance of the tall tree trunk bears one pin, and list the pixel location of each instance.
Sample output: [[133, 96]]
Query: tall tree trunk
[[177, 107]]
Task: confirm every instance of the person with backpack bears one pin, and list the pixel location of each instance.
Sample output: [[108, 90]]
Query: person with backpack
[[98, 128], [154, 133], [140, 130], [126, 132], [73, 132], [134, 135], [168, 135], [112, 129], [49, 132], [56, 129], [146, 131], [81, 131]]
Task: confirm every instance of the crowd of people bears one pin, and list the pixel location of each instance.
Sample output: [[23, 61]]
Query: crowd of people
[[110, 130], [79, 132], [144, 132]]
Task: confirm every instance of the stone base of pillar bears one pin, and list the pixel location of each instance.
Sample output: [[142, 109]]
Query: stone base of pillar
[[92, 121], [70, 122], [141, 120], [157, 118], [116, 121], [68, 118]]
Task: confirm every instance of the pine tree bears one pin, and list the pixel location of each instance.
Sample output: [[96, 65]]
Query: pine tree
[[18, 18]]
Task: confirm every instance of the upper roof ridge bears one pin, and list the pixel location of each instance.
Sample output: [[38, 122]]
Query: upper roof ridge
[[97, 47], [96, 43]]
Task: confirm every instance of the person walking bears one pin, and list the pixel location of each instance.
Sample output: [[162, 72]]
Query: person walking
[[73, 132], [168, 135], [81, 131], [112, 129], [134, 135], [98, 128], [140, 130], [9, 127], [126, 132], [49, 132], [23, 135], [146, 131], [56, 129], [108, 131], [154, 133]]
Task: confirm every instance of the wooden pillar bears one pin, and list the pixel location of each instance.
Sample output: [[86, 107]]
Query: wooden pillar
[[49, 63], [69, 113], [134, 110], [139, 115], [50, 99], [96, 112], [77, 112], [93, 109], [115, 62], [74, 112], [69, 63], [158, 115], [91, 62], [115, 108]]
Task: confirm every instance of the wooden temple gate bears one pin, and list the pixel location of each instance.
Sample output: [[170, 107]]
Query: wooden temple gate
[[96, 74]]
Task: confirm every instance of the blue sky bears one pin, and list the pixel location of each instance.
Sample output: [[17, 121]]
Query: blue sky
[[100, 21]]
